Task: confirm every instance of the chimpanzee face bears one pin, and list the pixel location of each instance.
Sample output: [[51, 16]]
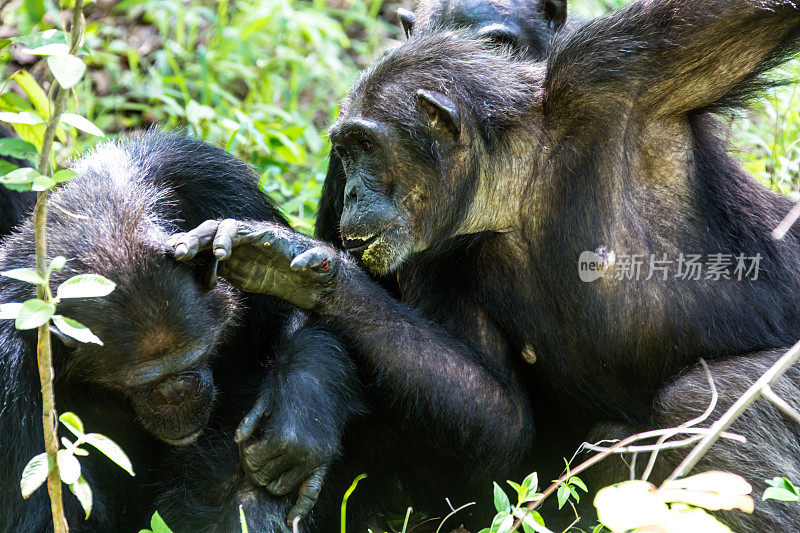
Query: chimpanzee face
[[391, 179], [160, 329]]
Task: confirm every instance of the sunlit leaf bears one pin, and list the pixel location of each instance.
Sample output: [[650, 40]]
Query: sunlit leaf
[[68, 466], [58, 262], [72, 422], [34, 474], [110, 449], [20, 177], [82, 123], [28, 275], [501, 502], [76, 330], [67, 69], [23, 117], [52, 49], [83, 492], [10, 311], [157, 524], [34, 313], [85, 286]]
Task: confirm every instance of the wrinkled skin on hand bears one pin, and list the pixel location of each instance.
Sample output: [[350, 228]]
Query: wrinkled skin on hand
[[265, 258], [281, 461]]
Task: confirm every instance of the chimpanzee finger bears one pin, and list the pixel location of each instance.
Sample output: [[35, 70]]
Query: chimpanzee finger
[[317, 259], [271, 475], [251, 420], [291, 479], [190, 243], [258, 454], [227, 231], [307, 495]]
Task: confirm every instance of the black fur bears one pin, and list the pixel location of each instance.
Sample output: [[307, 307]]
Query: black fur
[[609, 143], [113, 220]]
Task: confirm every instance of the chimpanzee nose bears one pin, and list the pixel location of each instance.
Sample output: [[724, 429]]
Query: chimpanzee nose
[[174, 391]]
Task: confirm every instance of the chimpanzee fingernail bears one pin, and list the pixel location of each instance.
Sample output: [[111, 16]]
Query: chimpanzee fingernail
[[219, 253], [181, 249]]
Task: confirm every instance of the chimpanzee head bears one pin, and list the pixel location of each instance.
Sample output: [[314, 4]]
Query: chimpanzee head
[[423, 146], [160, 326], [526, 26]]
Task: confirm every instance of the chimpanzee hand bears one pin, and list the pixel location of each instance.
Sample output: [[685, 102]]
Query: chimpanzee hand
[[282, 460], [266, 258]]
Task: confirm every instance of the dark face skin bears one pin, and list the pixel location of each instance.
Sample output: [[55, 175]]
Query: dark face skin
[[160, 331]]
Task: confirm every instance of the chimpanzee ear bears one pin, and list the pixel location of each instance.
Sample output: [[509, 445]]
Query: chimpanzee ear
[[407, 20], [555, 13], [442, 113], [68, 341]]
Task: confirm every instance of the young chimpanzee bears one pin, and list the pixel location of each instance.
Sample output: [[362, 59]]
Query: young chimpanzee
[[183, 361], [481, 189], [527, 27]]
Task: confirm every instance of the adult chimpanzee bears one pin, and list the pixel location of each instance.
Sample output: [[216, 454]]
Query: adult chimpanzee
[[480, 189], [527, 27], [184, 360]]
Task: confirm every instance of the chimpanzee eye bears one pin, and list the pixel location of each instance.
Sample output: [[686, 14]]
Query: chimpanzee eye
[[343, 152]]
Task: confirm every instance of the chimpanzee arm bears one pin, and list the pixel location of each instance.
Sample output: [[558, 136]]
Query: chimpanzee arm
[[310, 394], [473, 400], [668, 56]]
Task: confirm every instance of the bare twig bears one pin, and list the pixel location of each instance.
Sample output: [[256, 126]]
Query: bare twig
[[780, 403], [689, 423], [756, 389], [454, 511], [43, 349], [788, 221]]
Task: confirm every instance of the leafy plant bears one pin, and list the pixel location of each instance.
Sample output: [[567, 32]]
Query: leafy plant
[[508, 514], [781, 489]]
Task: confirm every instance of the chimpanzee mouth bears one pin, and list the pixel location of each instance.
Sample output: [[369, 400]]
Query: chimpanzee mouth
[[183, 441], [359, 245]]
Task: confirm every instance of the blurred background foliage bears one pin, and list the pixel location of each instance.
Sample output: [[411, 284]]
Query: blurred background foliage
[[262, 78]]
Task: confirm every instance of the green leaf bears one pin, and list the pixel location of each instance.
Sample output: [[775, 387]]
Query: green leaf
[[34, 313], [20, 177], [85, 286], [576, 481], [58, 262], [76, 330], [4, 43], [563, 495], [517, 488], [501, 502], [67, 69], [157, 524], [11, 147], [68, 466], [23, 117], [65, 174], [28, 275], [82, 123], [10, 311], [33, 90], [83, 492], [43, 183], [34, 474], [531, 482], [72, 422], [196, 112], [110, 449], [780, 494]]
